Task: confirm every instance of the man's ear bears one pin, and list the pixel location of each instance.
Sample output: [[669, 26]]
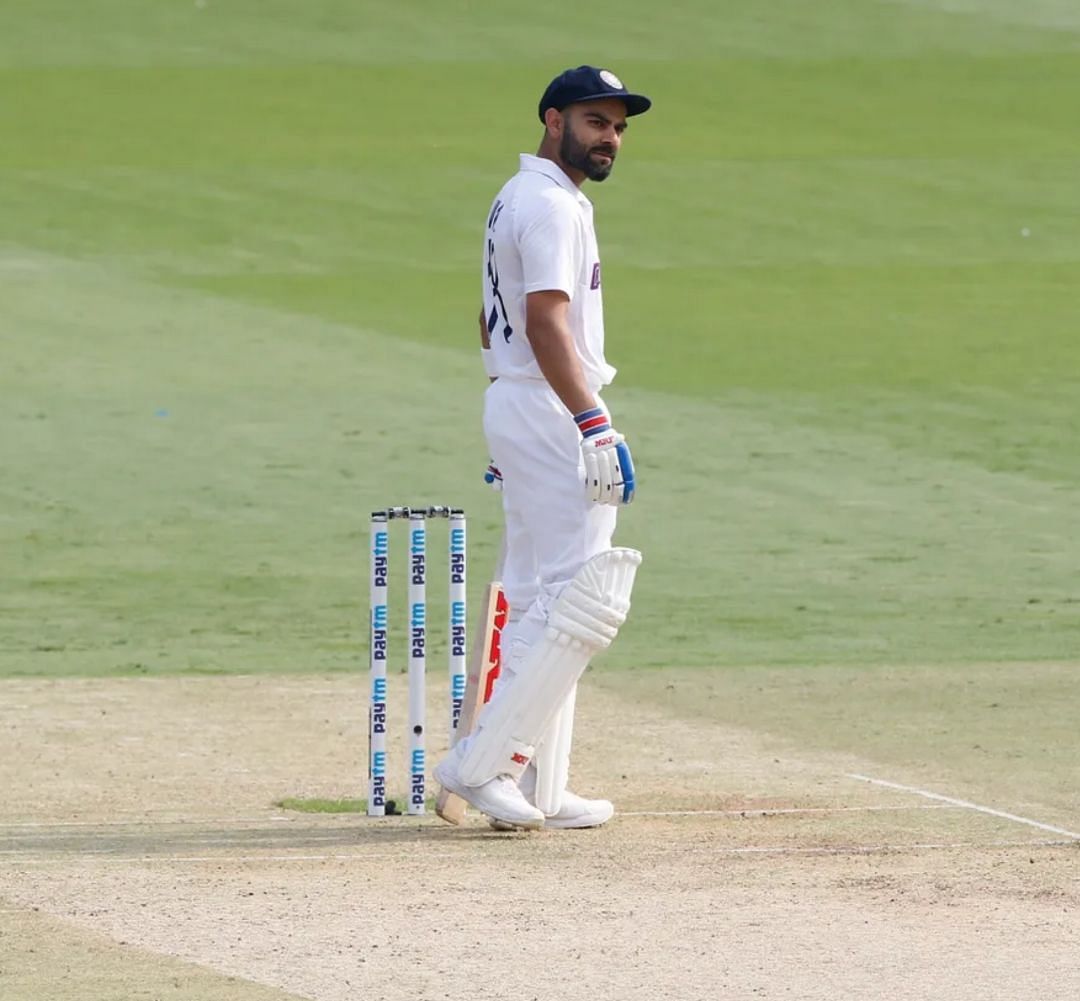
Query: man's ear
[[553, 122]]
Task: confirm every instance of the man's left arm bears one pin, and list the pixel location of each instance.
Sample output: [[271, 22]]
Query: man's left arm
[[492, 475]]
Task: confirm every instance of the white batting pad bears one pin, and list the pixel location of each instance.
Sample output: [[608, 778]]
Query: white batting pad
[[584, 619], [552, 760]]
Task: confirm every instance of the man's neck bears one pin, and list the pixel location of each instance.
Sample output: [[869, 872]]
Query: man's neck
[[548, 152]]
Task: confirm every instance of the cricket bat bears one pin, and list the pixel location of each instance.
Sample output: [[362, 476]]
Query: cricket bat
[[484, 660]]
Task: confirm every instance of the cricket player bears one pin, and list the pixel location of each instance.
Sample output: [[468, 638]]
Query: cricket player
[[564, 468]]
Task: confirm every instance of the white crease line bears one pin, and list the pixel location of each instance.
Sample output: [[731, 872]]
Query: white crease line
[[61, 826], [758, 811], [875, 849], [989, 811], [368, 856], [223, 859], [308, 834], [315, 834]]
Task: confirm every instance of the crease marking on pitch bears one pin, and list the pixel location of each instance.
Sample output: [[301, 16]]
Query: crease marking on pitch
[[764, 811], [712, 850], [62, 825], [966, 805]]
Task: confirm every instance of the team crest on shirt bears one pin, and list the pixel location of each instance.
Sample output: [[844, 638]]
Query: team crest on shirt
[[595, 283]]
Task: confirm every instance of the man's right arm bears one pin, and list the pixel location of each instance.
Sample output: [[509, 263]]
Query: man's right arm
[[609, 470], [548, 331]]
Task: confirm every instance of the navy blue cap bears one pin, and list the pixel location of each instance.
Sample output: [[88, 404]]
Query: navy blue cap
[[590, 83]]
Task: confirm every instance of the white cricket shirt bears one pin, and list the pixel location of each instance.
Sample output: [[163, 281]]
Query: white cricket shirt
[[539, 237]]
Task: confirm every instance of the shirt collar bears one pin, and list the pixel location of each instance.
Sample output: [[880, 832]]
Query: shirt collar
[[549, 168]]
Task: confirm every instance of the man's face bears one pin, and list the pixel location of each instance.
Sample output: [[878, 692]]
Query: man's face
[[592, 134]]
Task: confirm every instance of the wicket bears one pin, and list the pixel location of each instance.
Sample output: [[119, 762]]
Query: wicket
[[417, 518]]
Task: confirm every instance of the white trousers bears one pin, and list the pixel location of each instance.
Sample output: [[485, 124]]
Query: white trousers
[[551, 528]]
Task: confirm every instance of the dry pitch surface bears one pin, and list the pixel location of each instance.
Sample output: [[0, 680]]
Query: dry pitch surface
[[141, 857]]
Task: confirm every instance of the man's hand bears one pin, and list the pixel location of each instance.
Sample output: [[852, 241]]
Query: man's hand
[[609, 470], [493, 476]]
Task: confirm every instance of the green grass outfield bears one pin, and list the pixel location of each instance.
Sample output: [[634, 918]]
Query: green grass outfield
[[239, 258]]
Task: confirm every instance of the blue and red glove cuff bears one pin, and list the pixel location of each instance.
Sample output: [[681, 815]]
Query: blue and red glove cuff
[[592, 422]]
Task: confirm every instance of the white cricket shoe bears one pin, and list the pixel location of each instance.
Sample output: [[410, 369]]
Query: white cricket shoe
[[499, 798], [575, 811]]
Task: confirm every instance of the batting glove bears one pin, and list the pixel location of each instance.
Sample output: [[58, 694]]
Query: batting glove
[[493, 476], [609, 470]]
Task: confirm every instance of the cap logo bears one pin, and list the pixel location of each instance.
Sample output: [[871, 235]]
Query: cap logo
[[611, 79]]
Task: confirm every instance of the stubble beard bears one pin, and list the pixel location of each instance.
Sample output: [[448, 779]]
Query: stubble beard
[[577, 155]]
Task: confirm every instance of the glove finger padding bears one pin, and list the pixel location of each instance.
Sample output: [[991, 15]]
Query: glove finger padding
[[592, 473], [601, 470], [608, 472]]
